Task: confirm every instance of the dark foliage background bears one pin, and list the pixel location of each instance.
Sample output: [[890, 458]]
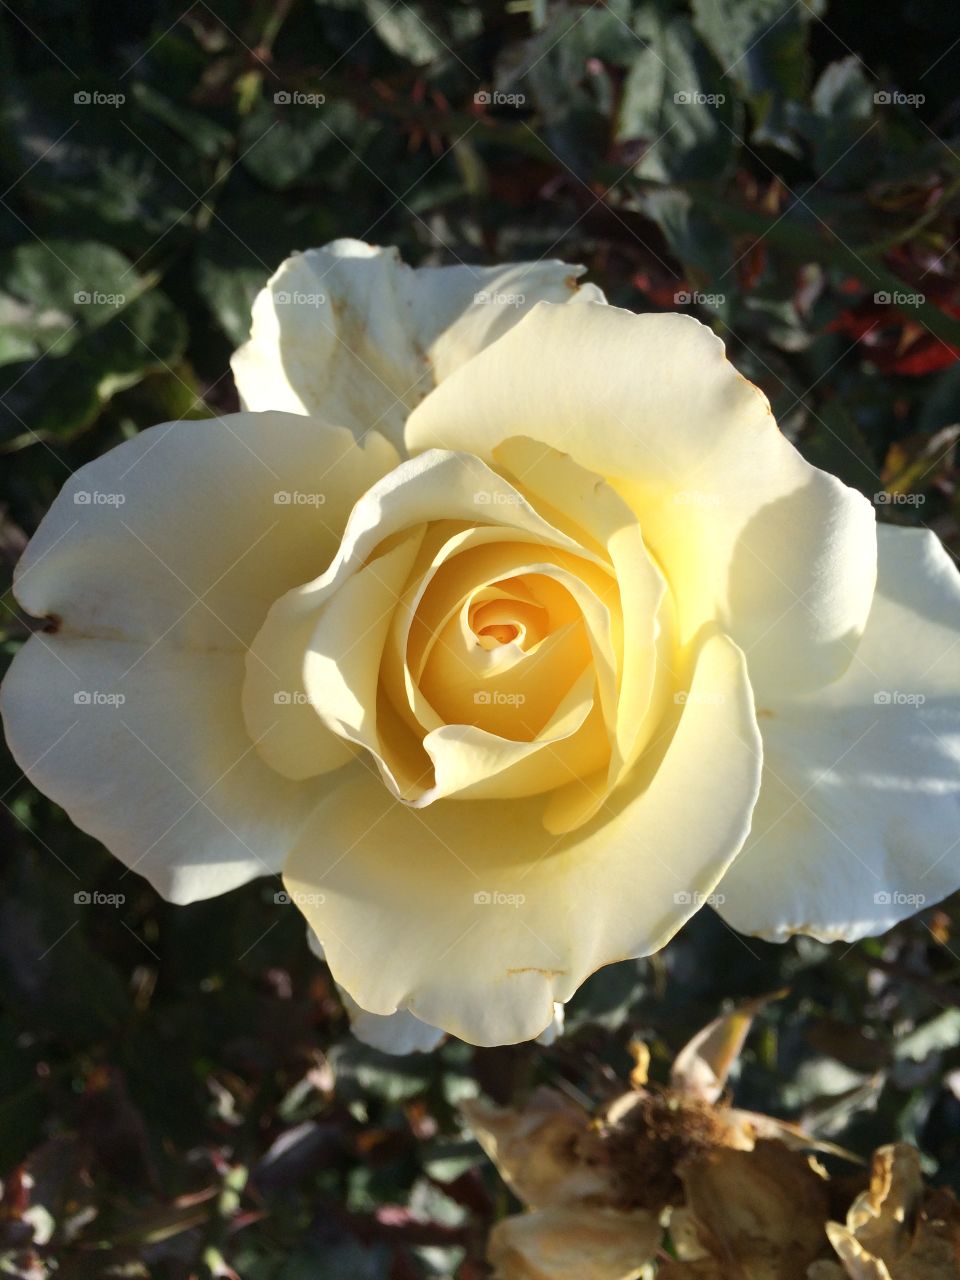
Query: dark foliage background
[[180, 1093]]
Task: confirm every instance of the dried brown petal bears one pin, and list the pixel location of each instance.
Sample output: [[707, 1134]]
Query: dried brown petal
[[703, 1064], [760, 1213], [935, 1253], [824, 1270], [747, 1127], [683, 1235], [882, 1219], [573, 1243], [538, 1150], [704, 1269], [858, 1263], [897, 1231]]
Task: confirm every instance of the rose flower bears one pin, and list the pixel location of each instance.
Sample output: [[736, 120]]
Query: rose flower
[[508, 626]]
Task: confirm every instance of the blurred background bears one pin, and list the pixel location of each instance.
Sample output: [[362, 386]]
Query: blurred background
[[179, 1092]]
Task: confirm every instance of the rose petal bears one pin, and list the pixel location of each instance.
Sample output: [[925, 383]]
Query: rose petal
[[345, 693], [581, 503], [856, 825], [748, 534], [489, 968], [351, 332], [401, 1033], [397, 1033], [394, 1033], [155, 598]]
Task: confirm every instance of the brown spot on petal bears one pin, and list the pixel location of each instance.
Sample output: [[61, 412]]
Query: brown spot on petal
[[532, 968], [755, 389]]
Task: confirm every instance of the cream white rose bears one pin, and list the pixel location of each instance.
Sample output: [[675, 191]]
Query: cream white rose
[[511, 629]]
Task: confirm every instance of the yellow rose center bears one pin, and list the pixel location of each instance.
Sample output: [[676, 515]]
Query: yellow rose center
[[503, 654], [499, 616], [500, 635]]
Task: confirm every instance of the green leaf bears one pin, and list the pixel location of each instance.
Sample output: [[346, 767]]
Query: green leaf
[[760, 44], [936, 1036], [675, 100], [362, 1070], [555, 69], [60, 395], [940, 406], [405, 30], [280, 141], [55, 292], [704, 250], [838, 125], [203, 134], [102, 172], [230, 291]]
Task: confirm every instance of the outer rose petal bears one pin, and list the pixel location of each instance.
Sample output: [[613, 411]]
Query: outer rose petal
[[406, 881], [747, 533], [396, 1033], [858, 818], [156, 599], [351, 332], [401, 1033]]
